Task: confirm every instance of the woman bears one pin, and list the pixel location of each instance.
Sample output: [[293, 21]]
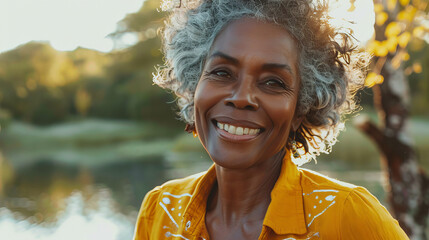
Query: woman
[[264, 84]]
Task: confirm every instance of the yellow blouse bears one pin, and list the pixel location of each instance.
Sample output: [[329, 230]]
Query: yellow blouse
[[304, 205]]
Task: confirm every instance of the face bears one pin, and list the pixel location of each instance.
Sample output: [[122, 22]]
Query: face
[[246, 97]]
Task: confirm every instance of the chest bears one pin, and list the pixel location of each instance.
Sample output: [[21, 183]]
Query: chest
[[245, 231]]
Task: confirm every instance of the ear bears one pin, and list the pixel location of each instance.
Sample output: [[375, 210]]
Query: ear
[[296, 122]]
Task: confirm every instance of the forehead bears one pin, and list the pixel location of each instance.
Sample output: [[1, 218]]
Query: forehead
[[248, 37]]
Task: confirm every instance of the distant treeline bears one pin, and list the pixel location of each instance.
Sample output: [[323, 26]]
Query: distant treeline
[[43, 86]]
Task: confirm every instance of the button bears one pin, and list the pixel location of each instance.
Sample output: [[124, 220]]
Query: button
[[188, 225]]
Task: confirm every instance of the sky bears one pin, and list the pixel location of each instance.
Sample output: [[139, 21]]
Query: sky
[[363, 17], [66, 24]]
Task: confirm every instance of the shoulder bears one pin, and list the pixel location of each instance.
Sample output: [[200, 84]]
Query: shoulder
[[363, 215], [356, 212], [314, 180]]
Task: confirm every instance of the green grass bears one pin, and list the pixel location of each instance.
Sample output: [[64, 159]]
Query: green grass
[[87, 142], [95, 141]]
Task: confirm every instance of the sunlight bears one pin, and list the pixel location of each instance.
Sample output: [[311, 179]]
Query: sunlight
[[76, 222], [361, 13], [69, 24], [65, 24]]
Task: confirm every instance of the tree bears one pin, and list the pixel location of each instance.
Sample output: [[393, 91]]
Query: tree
[[398, 24]]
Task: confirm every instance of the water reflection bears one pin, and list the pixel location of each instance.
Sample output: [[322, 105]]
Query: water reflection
[[94, 218], [77, 194], [40, 189]]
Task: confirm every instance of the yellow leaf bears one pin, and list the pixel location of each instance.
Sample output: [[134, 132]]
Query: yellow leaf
[[418, 31], [352, 7], [391, 4], [403, 39], [372, 45], [378, 7], [381, 18], [417, 67], [393, 29], [391, 44], [379, 49], [373, 79], [407, 14], [404, 2], [406, 57]]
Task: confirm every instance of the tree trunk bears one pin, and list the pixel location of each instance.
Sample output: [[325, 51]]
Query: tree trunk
[[408, 193]]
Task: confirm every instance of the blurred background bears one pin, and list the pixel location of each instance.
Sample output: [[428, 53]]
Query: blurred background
[[85, 134]]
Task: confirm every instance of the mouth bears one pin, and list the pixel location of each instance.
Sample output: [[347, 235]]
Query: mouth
[[236, 131]]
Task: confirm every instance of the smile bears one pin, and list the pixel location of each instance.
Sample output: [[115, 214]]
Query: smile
[[236, 130]]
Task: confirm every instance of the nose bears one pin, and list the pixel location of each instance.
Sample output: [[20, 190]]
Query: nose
[[243, 96]]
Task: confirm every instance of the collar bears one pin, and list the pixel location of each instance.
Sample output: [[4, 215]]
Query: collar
[[285, 214], [195, 212]]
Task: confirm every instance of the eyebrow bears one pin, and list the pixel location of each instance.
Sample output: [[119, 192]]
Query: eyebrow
[[233, 60], [225, 56], [278, 65]]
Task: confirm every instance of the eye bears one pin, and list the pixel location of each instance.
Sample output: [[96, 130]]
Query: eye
[[276, 83], [221, 73]]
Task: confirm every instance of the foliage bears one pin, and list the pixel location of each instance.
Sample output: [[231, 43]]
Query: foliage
[[406, 28], [43, 86]]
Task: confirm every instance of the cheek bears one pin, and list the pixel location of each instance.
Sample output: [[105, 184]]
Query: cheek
[[281, 113], [198, 106], [206, 97], [281, 110], [203, 102]]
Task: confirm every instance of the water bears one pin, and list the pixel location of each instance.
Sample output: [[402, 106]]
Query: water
[[49, 201], [78, 220], [96, 192]]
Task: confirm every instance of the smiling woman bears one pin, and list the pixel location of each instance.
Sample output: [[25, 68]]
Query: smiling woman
[[248, 83], [265, 85]]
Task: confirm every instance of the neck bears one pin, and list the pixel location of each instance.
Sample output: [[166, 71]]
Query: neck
[[244, 194]]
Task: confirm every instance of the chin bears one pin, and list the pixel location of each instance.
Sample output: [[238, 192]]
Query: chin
[[233, 161]]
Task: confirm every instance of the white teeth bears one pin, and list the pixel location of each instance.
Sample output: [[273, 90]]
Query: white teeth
[[237, 130], [246, 131], [231, 129]]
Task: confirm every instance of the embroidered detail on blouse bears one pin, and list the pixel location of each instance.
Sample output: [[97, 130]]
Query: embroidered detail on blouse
[[308, 238], [328, 199], [169, 234], [177, 196]]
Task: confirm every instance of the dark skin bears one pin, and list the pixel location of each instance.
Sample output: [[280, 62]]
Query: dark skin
[[251, 81]]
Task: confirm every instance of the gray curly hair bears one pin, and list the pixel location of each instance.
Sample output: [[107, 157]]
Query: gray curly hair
[[330, 66]]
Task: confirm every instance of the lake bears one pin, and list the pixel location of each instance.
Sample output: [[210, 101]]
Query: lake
[[86, 179]]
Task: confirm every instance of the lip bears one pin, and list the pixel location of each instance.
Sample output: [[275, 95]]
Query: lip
[[234, 138]]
